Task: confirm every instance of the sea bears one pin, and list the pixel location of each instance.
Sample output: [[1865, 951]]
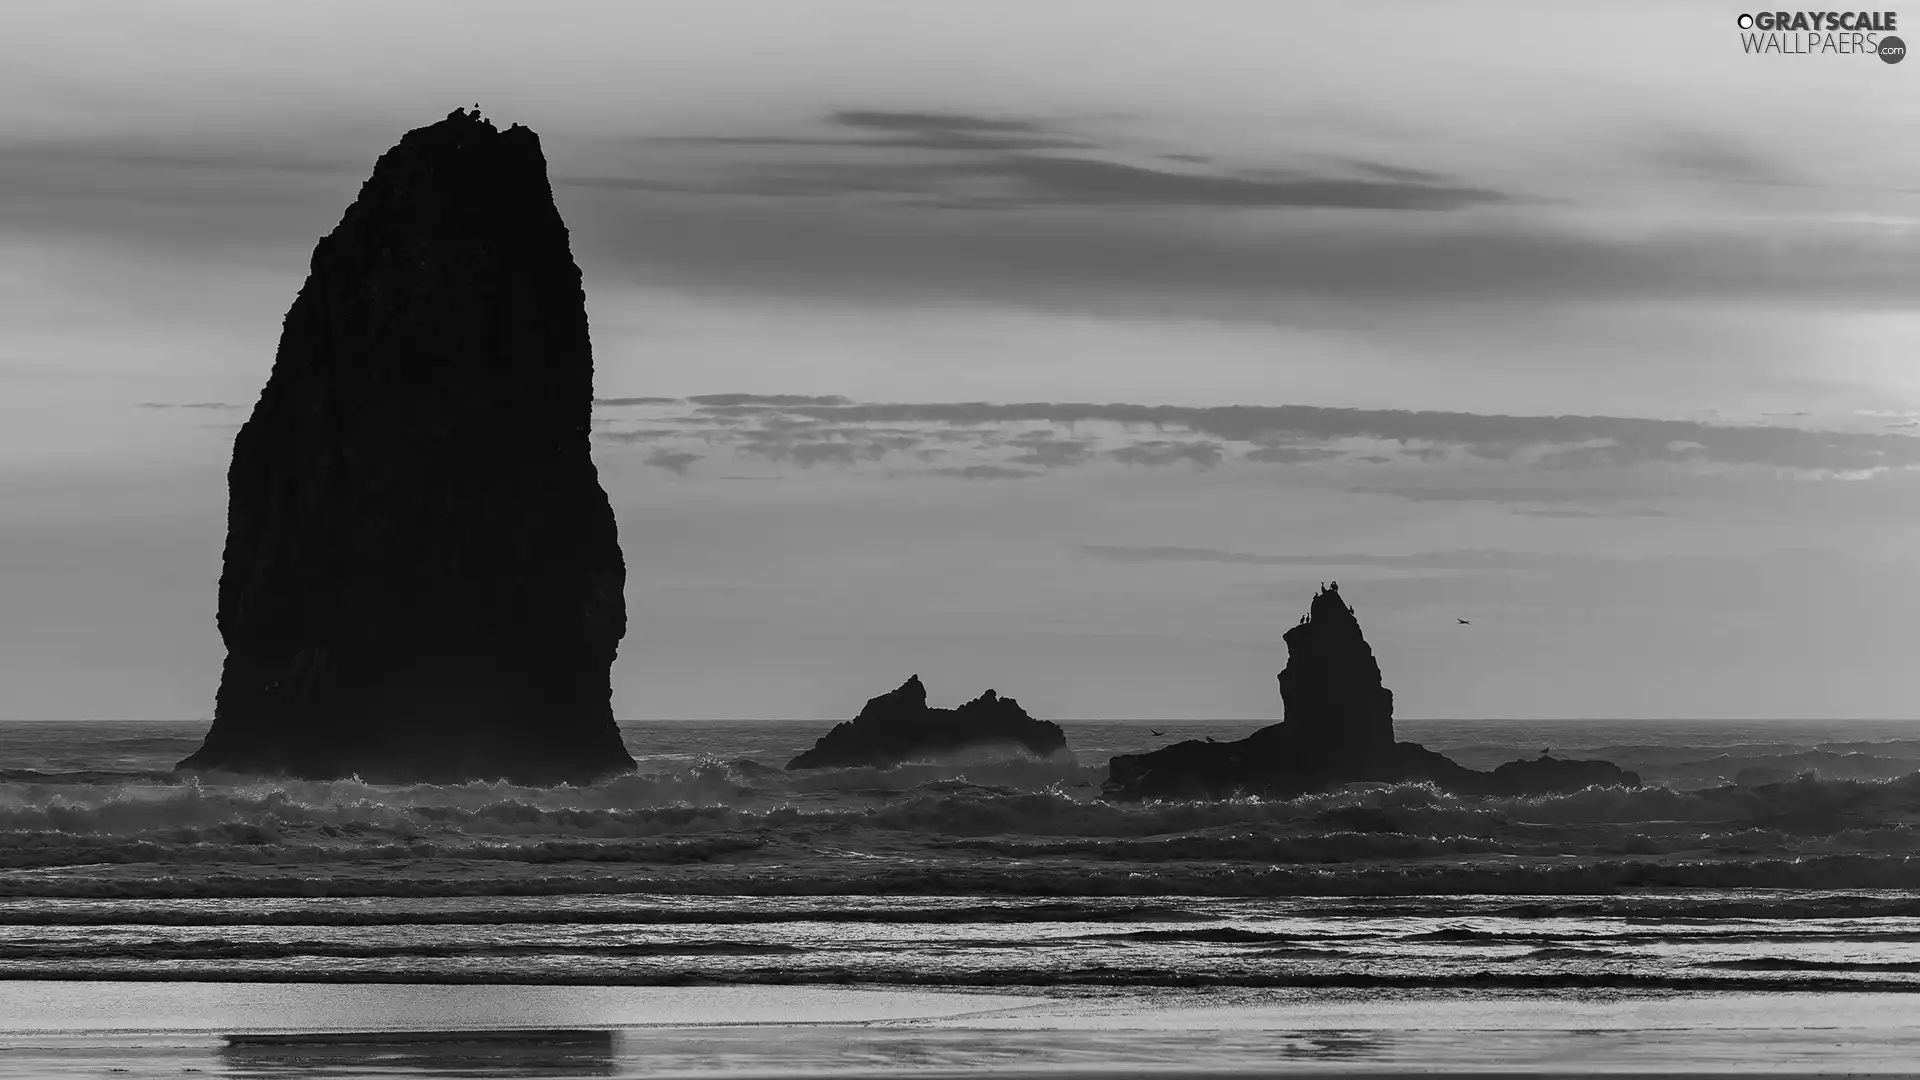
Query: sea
[[1753, 907]]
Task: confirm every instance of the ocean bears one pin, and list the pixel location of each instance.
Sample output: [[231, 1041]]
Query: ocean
[[1767, 870]]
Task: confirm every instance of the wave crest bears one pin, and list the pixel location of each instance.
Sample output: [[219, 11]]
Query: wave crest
[[947, 816]]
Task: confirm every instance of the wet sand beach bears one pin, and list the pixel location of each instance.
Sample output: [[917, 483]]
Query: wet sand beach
[[304, 1030]]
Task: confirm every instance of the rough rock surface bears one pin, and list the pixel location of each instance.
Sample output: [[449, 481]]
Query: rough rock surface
[[422, 580], [1337, 729], [898, 726]]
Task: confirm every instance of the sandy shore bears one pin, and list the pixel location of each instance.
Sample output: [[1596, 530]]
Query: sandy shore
[[292, 1030]]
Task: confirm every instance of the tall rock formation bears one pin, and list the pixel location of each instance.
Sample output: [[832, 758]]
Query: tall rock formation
[[1337, 729], [1336, 711], [898, 726], [422, 579]]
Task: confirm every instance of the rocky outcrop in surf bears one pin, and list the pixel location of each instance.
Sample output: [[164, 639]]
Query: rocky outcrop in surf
[[422, 579], [1337, 728], [1337, 714], [898, 726]]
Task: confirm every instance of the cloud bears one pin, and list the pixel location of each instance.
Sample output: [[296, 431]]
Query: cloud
[[1091, 182], [1430, 560], [1556, 460], [882, 441], [741, 401], [1583, 512], [986, 472], [1157, 452], [1716, 158], [1291, 455], [1396, 172], [1066, 232], [1624, 440], [809, 453], [138, 153], [640, 435], [1025, 182], [808, 441], [674, 461], [999, 163], [920, 123], [1046, 450], [877, 129], [1217, 262], [624, 401], [1002, 214], [1503, 493], [949, 131]]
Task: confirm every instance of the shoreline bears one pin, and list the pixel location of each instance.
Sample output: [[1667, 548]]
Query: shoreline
[[988, 982], [746, 1032]]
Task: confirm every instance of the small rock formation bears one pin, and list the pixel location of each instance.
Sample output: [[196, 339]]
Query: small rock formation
[[422, 580], [1337, 729], [898, 726]]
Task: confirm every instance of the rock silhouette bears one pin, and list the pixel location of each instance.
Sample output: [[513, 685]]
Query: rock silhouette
[[1337, 714], [1337, 729], [422, 579], [898, 726]]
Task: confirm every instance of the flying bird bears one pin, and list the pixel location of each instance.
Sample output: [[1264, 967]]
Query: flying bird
[[1462, 622], [1150, 731]]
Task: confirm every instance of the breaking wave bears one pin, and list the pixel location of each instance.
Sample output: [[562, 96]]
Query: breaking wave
[[1769, 863], [574, 973], [1033, 826]]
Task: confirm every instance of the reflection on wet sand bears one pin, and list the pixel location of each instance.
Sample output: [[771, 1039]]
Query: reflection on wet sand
[[1208, 1035], [502, 1053], [1335, 1045], [748, 1050]]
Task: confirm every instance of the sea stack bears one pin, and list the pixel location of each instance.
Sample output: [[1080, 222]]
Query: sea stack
[[898, 726], [1336, 712], [422, 579], [1337, 729]]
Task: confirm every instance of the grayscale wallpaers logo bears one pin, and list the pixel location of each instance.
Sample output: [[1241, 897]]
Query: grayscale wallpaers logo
[[1823, 33]]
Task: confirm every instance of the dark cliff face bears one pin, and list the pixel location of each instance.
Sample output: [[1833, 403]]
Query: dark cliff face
[[1338, 729], [898, 726], [422, 579]]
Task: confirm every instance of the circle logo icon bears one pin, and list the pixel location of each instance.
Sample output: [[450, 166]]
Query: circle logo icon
[[1892, 50]]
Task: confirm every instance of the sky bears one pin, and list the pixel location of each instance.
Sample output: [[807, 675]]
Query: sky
[[1062, 348]]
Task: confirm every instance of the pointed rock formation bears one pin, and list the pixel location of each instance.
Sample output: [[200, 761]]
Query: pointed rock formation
[[422, 579], [898, 726], [1337, 729], [1337, 716]]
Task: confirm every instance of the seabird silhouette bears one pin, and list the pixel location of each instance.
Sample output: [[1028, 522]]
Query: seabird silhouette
[[1462, 622], [1150, 731]]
